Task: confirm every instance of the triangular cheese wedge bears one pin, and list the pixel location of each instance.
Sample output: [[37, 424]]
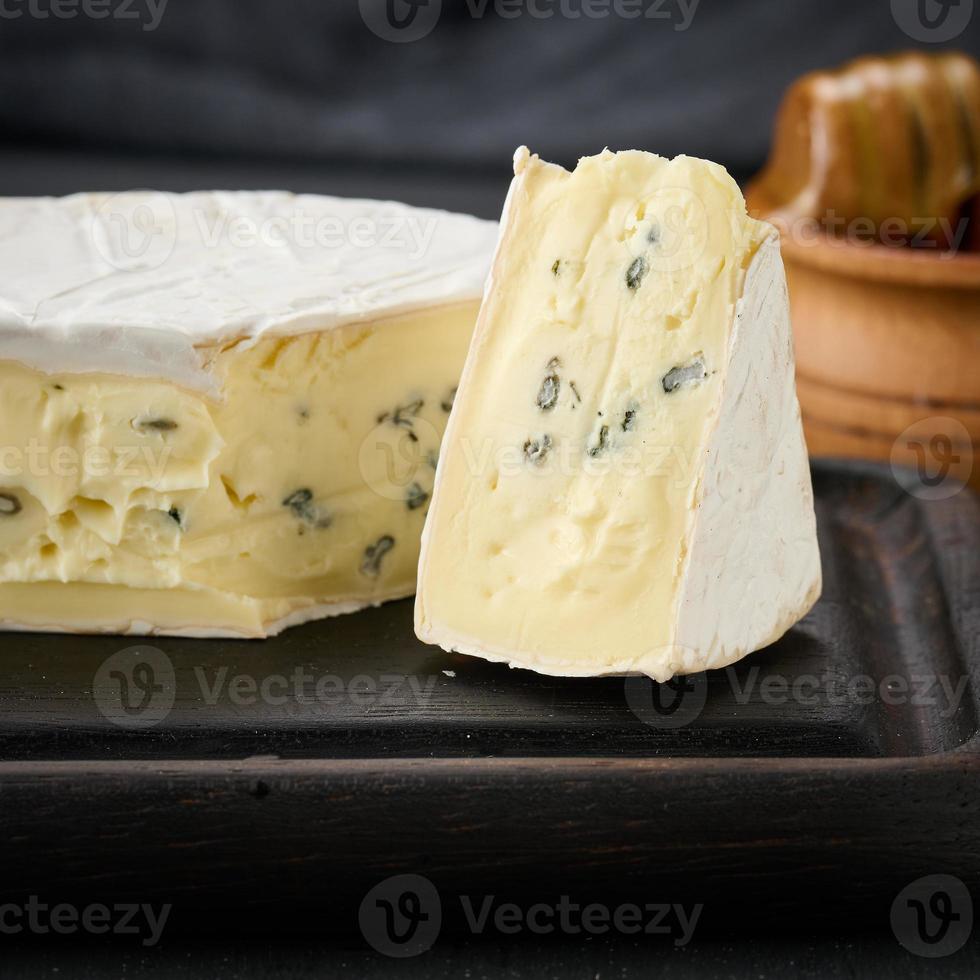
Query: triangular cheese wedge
[[623, 485]]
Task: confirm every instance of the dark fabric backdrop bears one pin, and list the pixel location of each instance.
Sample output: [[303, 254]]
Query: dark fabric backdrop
[[302, 93]]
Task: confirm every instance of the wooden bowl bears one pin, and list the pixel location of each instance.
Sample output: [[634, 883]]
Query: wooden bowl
[[887, 351]]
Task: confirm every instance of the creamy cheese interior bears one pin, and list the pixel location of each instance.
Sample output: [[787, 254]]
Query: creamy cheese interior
[[571, 484], [134, 504]]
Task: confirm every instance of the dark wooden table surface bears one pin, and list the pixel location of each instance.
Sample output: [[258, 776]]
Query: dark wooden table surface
[[854, 956], [265, 787]]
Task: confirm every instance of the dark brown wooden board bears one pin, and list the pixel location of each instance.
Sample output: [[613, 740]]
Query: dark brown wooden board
[[501, 781]]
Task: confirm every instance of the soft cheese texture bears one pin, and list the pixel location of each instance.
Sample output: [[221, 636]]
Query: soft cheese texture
[[233, 433], [624, 485]]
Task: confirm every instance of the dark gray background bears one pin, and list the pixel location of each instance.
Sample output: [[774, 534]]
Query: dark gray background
[[301, 94]]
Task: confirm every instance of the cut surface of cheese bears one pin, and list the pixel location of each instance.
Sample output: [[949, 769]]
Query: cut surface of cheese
[[623, 486], [232, 435]]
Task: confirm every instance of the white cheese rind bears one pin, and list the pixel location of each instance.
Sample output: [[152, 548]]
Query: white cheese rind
[[147, 284], [754, 519], [748, 566]]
